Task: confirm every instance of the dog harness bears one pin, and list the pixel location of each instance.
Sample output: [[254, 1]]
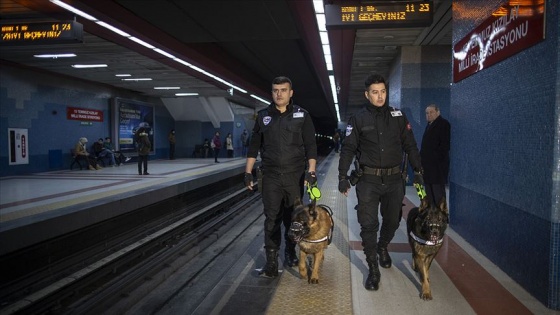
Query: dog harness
[[425, 242]]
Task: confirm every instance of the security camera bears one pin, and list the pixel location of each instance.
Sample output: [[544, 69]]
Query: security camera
[[230, 91]]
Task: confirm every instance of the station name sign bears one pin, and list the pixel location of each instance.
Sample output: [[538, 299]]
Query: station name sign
[[41, 33], [509, 30], [380, 15]]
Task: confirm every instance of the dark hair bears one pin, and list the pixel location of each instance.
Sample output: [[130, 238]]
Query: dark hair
[[107, 138], [282, 80], [100, 139], [374, 78]]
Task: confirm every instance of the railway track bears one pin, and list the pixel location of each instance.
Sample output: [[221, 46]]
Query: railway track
[[90, 281]]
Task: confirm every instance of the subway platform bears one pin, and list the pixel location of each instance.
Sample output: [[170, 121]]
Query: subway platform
[[462, 280]]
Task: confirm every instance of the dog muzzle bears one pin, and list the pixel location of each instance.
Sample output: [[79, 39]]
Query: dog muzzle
[[297, 232]]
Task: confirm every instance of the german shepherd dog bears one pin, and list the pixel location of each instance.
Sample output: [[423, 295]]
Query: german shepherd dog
[[312, 227], [425, 227]]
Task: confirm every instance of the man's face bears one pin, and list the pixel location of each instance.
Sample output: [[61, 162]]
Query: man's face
[[281, 94], [431, 114], [376, 94]]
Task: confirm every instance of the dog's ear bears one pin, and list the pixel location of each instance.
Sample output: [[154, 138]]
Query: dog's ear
[[297, 202], [443, 205], [313, 209], [424, 204]]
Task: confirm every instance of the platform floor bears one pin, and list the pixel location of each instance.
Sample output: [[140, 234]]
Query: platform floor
[[462, 280]]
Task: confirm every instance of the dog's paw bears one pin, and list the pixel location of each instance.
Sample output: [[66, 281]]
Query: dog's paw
[[313, 281], [426, 296]]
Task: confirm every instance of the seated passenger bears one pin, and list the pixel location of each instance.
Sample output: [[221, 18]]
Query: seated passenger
[[121, 158], [82, 153], [102, 153]]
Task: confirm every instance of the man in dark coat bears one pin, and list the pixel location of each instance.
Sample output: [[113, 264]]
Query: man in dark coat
[[435, 154]]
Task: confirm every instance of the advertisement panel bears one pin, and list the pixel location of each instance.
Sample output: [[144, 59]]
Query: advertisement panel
[[131, 116]]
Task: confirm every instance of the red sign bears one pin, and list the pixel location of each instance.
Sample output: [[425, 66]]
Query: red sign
[[85, 114], [510, 29]]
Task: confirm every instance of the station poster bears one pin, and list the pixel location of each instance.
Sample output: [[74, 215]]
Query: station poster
[[18, 147], [129, 117]]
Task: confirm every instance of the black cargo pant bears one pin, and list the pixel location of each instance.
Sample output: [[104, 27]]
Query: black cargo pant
[[373, 191], [279, 192]]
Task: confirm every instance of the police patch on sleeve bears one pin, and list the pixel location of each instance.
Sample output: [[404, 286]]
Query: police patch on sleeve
[[267, 120], [348, 130]]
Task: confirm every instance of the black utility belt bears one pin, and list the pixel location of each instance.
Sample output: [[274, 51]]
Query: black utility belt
[[381, 171]]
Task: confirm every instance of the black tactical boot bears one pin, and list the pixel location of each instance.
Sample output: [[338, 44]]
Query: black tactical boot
[[384, 258], [372, 281], [290, 257], [270, 269]]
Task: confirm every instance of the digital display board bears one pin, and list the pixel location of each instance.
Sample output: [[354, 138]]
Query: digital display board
[[380, 15], [41, 32]]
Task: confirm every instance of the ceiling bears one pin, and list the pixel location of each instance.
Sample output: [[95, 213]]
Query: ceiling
[[247, 43]]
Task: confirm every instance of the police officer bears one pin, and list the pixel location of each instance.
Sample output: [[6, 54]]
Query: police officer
[[285, 135], [377, 137]]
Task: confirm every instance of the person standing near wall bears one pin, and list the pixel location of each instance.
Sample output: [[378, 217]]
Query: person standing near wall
[[244, 142], [336, 141], [144, 146], [285, 135], [216, 145], [377, 136], [434, 152], [229, 145], [171, 138]]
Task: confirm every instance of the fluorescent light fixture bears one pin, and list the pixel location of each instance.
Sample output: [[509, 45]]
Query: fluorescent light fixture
[[137, 79], [321, 22], [54, 56], [114, 29], [186, 94], [324, 38], [166, 54], [260, 99], [123, 75], [141, 42], [72, 9], [318, 5], [183, 62], [326, 49], [166, 88], [89, 66]]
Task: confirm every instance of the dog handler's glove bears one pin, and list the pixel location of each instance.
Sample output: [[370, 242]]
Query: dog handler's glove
[[311, 178], [418, 178], [343, 183], [248, 179]]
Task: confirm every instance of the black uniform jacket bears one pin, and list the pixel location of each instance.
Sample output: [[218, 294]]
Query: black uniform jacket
[[435, 151], [286, 140], [378, 138]]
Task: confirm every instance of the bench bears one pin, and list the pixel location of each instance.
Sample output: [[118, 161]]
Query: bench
[[76, 160]]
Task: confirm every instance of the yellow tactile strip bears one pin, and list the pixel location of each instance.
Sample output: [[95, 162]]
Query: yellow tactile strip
[[333, 294]]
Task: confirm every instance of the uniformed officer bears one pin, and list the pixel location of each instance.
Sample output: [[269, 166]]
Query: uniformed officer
[[285, 135], [377, 137]]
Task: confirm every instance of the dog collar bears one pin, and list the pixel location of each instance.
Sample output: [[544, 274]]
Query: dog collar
[[316, 241], [425, 242]]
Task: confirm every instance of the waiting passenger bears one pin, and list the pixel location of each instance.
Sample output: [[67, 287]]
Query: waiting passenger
[[119, 156], [82, 153], [144, 146], [101, 152]]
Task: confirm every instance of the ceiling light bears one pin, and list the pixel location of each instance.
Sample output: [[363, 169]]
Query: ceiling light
[[166, 54], [260, 99], [114, 29], [123, 75], [186, 94], [72, 9], [137, 79], [166, 88], [141, 42], [90, 66], [54, 56], [183, 62]]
